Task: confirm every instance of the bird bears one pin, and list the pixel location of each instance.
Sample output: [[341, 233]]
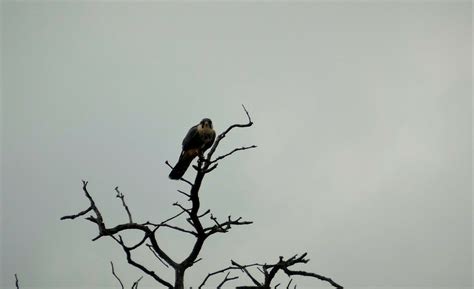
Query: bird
[[198, 139]]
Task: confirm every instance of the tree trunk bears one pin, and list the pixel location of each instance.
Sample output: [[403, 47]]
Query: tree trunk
[[179, 279]]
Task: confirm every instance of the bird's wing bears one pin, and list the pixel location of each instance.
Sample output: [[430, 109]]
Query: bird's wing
[[190, 138]]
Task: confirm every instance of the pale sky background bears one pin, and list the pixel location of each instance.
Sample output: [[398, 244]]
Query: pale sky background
[[362, 116]]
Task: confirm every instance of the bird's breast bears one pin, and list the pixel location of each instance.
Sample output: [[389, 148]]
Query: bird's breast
[[205, 132]]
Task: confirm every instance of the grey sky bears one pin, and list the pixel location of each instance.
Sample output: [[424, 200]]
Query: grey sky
[[362, 116]]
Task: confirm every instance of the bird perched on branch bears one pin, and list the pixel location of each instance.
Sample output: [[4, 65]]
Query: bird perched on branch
[[198, 139]]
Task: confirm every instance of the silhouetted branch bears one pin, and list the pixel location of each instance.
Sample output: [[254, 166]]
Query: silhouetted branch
[[234, 267], [225, 226], [182, 208], [115, 275], [244, 269], [186, 194], [149, 234], [309, 274], [122, 197], [156, 255], [16, 282], [132, 262], [226, 279], [270, 271], [223, 135], [205, 213], [72, 217], [233, 151], [179, 229], [134, 285]]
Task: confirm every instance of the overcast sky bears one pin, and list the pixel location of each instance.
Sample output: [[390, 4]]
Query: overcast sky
[[362, 118]]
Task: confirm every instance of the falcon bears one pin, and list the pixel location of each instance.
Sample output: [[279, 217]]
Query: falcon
[[198, 139]]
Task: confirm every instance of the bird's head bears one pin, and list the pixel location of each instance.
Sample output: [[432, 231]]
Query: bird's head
[[206, 122]]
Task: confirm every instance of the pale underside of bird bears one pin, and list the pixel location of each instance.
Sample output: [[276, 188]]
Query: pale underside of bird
[[198, 139]]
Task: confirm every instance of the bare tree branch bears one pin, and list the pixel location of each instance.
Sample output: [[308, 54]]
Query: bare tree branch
[[186, 194], [122, 197], [148, 234], [16, 282], [140, 266], [179, 229], [135, 284], [225, 226], [212, 274], [288, 286], [226, 279], [113, 273], [223, 134], [309, 274], [182, 208], [244, 268], [270, 270], [222, 271], [72, 217], [233, 151], [203, 214], [156, 255]]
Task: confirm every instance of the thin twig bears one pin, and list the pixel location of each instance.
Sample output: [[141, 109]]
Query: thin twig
[[156, 255], [244, 268], [72, 217], [309, 274], [225, 226], [16, 282], [205, 213], [179, 229], [186, 194], [122, 197], [209, 275], [182, 208], [226, 279], [140, 266], [113, 273], [223, 134], [233, 151], [135, 284]]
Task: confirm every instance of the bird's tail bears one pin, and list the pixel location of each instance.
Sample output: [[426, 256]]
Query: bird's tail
[[182, 165]]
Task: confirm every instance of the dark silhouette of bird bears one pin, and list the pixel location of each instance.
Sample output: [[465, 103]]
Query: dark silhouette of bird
[[198, 139]]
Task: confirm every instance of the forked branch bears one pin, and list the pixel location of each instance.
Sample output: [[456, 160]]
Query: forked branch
[[122, 197], [269, 272], [149, 233], [134, 285], [223, 135]]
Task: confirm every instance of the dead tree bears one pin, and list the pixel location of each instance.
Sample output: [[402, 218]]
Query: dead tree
[[198, 229]]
